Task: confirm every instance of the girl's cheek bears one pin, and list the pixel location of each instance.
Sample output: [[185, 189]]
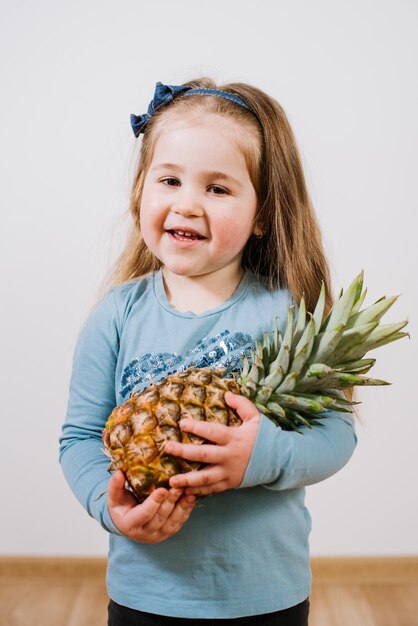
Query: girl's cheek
[[151, 212], [234, 235]]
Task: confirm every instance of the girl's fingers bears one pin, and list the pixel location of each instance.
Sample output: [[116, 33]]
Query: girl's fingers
[[143, 513], [174, 495], [164, 511], [205, 453], [161, 515], [198, 478], [117, 495], [180, 514], [206, 491], [218, 433]]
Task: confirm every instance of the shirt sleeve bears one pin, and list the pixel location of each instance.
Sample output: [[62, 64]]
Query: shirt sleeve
[[287, 459], [91, 400]]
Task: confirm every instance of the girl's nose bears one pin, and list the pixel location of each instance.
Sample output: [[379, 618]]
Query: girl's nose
[[188, 204]]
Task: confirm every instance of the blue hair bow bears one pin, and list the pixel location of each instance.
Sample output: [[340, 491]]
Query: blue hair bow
[[164, 94]]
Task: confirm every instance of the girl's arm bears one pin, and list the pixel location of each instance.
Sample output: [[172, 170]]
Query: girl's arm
[[260, 453], [91, 400], [286, 460]]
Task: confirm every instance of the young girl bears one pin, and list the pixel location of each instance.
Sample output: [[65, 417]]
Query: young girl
[[224, 239]]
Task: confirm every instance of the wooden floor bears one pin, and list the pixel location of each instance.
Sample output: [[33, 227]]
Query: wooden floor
[[61, 593]]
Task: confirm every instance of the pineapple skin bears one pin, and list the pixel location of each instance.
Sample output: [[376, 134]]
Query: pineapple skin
[[135, 434]]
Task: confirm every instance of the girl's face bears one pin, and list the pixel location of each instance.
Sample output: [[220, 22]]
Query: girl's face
[[198, 203]]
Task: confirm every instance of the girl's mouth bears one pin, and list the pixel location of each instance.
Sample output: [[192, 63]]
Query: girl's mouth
[[182, 235]]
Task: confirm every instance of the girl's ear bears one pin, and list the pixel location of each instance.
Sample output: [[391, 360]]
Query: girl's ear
[[258, 231]]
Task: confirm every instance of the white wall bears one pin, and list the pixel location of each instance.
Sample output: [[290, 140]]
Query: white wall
[[71, 73]]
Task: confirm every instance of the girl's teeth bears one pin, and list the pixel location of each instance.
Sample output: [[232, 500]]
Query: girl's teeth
[[182, 233]]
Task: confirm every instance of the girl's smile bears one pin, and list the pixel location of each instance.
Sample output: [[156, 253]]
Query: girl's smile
[[198, 204], [182, 237]]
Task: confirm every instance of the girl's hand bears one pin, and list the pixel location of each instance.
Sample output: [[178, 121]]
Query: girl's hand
[[228, 460], [161, 515]]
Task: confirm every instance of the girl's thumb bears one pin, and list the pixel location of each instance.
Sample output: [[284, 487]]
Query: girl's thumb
[[242, 405], [116, 488]]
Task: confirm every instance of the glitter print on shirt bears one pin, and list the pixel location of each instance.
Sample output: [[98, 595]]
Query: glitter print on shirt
[[223, 350]]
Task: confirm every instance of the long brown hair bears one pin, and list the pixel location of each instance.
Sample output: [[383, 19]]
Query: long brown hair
[[290, 253]]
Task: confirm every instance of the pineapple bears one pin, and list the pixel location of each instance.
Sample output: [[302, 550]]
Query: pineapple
[[294, 380]]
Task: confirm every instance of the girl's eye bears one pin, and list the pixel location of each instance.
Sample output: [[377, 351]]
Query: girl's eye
[[174, 182], [218, 191]]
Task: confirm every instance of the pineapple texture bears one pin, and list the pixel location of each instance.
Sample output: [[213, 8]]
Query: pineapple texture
[[136, 431]]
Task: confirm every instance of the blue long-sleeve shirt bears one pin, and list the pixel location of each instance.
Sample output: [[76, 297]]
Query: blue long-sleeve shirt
[[244, 551]]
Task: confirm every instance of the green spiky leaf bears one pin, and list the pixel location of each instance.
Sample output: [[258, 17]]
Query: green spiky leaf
[[299, 375]]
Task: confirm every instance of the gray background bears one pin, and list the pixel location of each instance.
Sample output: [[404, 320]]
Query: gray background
[[71, 73]]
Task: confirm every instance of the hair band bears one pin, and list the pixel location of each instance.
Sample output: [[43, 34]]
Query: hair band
[[164, 94]]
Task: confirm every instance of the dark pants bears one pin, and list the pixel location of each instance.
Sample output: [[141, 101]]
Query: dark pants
[[123, 616]]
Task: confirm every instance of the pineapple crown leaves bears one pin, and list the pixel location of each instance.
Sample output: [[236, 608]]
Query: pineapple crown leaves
[[295, 378]]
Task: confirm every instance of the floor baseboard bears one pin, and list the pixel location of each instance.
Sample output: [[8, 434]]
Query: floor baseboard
[[53, 566], [365, 569], [339, 570]]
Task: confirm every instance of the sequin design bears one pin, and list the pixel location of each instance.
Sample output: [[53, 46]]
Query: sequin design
[[147, 369], [223, 350]]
